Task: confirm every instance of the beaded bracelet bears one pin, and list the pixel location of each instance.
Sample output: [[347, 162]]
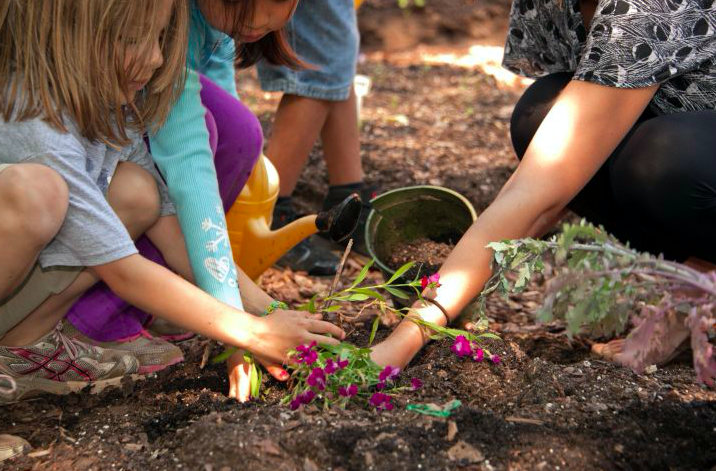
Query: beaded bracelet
[[273, 306]]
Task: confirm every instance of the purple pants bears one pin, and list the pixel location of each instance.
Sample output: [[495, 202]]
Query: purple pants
[[236, 139]]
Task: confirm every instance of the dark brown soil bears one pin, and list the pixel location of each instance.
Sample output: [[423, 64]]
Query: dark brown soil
[[427, 254], [550, 404]]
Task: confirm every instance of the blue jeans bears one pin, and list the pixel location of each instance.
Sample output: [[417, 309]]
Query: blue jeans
[[324, 34]]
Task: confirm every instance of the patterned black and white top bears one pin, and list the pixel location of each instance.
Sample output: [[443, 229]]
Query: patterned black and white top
[[631, 44]]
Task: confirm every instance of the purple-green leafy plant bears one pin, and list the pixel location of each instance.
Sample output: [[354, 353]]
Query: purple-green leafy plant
[[600, 283], [337, 375], [341, 374]]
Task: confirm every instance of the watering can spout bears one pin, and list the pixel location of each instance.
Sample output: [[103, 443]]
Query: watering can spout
[[255, 246]]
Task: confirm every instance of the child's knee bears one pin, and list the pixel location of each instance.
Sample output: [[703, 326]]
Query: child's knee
[[35, 199], [134, 196]]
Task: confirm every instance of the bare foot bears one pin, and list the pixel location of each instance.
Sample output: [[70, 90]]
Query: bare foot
[[608, 350], [651, 343]]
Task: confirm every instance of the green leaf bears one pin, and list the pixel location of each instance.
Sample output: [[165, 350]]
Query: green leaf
[[523, 277], [373, 329], [223, 356], [357, 297], [499, 246], [368, 292], [397, 292], [399, 272], [363, 273], [489, 335], [333, 308], [310, 306]]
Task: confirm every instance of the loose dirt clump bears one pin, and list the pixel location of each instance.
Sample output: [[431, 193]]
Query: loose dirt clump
[[427, 254]]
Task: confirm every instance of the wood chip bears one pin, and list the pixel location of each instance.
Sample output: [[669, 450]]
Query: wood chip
[[462, 451], [39, 453], [205, 355], [309, 465], [270, 447], [452, 431], [524, 420]]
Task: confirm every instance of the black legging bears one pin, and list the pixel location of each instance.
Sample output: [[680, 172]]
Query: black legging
[[657, 190]]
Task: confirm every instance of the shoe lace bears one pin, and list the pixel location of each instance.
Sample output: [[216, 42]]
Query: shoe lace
[[73, 347], [10, 386]]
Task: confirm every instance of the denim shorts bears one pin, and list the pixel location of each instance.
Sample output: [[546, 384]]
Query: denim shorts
[[324, 34]]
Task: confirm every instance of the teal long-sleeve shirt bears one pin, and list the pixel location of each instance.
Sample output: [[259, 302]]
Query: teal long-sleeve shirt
[[183, 154]]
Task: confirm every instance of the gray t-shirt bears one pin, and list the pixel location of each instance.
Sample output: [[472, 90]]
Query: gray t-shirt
[[91, 233]]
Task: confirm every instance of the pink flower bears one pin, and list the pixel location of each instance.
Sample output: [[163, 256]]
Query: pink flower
[[349, 391], [317, 378], [380, 386], [478, 354], [389, 373], [306, 397], [331, 366], [461, 347], [381, 401], [342, 363], [415, 384], [306, 354], [496, 359], [432, 281]]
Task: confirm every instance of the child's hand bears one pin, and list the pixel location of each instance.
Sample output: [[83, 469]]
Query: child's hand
[[282, 331], [240, 371], [240, 375]]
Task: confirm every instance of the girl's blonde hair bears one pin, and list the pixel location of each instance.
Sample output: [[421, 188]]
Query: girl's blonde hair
[[65, 58]]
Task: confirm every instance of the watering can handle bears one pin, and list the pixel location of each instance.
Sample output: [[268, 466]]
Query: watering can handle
[[341, 220]]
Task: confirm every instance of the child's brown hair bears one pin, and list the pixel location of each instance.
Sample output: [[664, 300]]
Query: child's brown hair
[[273, 47], [65, 58]]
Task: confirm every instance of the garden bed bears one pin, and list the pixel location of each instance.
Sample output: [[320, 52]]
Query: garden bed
[[548, 405]]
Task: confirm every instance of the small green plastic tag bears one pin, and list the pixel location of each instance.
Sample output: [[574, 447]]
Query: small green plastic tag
[[434, 409]]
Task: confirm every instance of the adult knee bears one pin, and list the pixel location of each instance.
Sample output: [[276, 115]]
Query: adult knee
[[532, 107], [665, 171], [134, 196], [34, 199]]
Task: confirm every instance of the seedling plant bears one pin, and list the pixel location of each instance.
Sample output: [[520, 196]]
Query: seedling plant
[[336, 375]]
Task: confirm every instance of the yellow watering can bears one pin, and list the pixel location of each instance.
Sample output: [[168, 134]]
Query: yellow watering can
[[256, 247]]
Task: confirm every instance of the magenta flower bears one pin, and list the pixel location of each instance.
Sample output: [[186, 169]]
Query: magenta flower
[[380, 386], [432, 281], [381, 401], [317, 378], [478, 354], [415, 384], [389, 373], [306, 354], [349, 391], [496, 359], [306, 397], [342, 363], [331, 366], [461, 347]]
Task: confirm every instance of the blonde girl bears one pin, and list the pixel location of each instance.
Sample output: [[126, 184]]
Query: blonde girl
[[80, 82]]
